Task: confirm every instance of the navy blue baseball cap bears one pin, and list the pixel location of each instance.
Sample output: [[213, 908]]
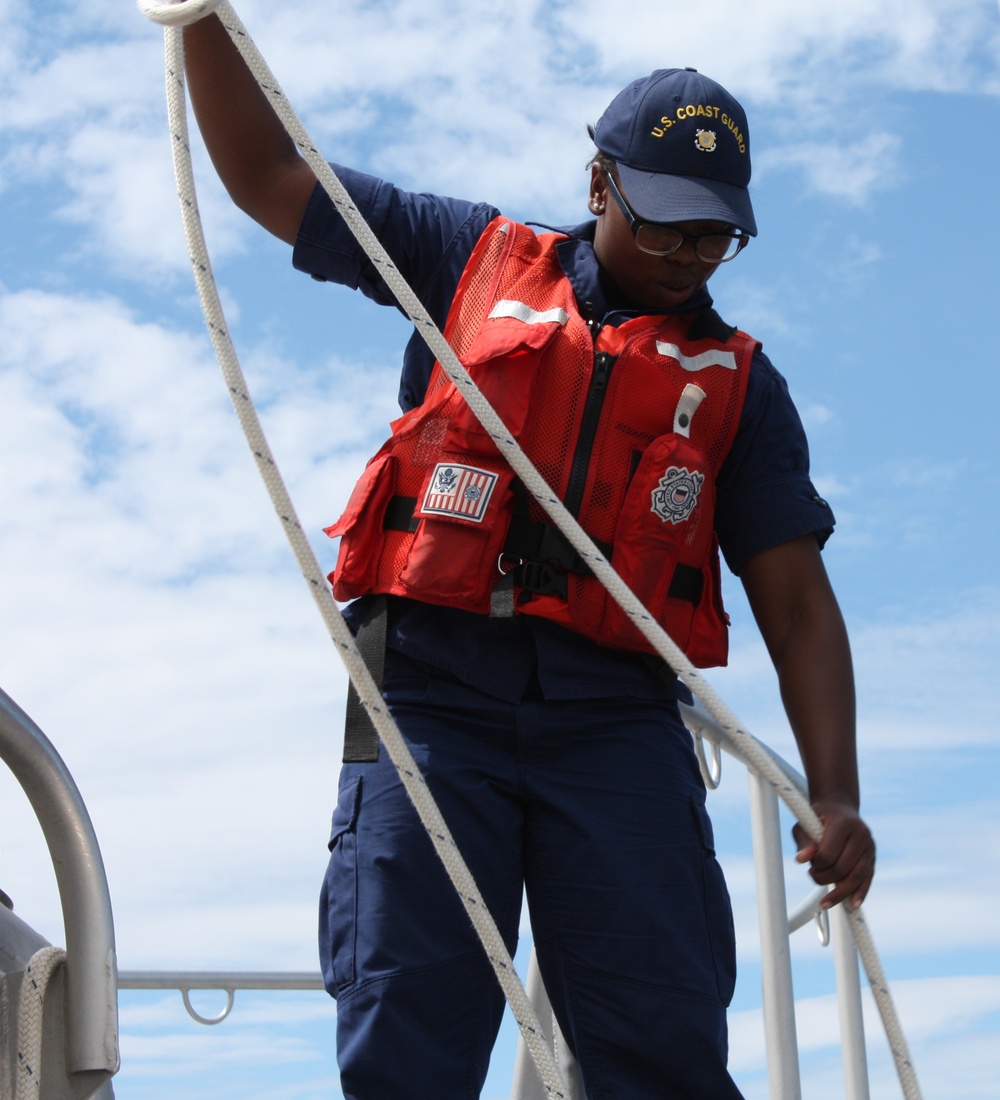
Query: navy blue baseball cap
[[682, 147]]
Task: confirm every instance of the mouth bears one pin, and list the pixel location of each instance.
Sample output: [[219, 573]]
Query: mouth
[[675, 277], [677, 286]]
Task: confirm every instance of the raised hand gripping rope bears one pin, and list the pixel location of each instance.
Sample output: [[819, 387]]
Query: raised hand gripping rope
[[173, 15]]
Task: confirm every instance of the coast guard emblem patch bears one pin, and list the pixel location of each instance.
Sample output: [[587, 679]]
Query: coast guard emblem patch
[[459, 491], [677, 494]]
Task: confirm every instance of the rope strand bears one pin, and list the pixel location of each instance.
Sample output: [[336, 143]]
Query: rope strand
[[30, 1016]]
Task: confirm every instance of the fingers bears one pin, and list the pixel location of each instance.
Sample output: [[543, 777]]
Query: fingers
[[843, 859]]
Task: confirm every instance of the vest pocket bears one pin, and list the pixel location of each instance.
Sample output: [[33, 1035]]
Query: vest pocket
[[504, 362], [360, 529], [662, 538], [454, 553]]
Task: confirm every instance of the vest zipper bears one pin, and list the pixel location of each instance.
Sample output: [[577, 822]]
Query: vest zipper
[[596, 392]]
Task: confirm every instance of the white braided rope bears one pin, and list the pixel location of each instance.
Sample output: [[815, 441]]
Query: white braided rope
[[30, 1011], [371, 699], [175, 13]]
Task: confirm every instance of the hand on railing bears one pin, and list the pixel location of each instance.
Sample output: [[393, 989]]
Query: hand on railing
[[844, 857]]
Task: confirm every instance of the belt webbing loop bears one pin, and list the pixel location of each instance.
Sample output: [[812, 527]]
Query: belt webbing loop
[[360, 736]]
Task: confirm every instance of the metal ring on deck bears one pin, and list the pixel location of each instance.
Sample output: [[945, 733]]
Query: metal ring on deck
[[209, 1020]]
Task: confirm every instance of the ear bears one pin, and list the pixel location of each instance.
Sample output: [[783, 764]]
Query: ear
[[598, 190]]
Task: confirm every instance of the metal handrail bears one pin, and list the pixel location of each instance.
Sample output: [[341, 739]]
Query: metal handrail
[[92, 980], [777, 925], [90, 966], [225, 981]]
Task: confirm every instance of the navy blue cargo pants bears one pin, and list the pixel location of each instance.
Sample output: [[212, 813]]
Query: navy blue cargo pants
[[597, 808]]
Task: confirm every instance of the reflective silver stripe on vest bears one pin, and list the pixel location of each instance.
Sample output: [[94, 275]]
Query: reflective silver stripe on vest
[[698, 362], [521, 311]]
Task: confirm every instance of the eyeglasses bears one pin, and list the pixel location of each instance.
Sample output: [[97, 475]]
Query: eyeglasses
[[661, 240]]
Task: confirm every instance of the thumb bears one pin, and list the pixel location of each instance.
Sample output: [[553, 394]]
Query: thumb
[[807, 847]]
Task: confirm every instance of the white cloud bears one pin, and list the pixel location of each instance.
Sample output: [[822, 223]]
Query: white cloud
[[161, 625], [794, 56], [815, 416], [403, 102], [849, 171], [907, 669], [74, 84], [931, 1010], [762, 307], [129, 429]]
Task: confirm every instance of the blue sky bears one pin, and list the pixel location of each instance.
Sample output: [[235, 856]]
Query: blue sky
[[154, 624]]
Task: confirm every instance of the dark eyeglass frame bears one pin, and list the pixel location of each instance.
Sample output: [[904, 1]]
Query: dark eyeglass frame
[[637, 225]]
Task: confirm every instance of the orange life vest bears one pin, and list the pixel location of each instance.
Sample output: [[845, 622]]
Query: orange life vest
[[628, 424]]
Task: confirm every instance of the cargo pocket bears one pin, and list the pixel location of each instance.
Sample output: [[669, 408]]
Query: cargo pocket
[[339, 903], [361, 542], [718, 908]]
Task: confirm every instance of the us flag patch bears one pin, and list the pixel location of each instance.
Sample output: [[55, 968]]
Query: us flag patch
[[460, 491]]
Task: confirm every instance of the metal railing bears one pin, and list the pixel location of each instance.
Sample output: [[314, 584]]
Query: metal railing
[[225, 981], [776, 929], [89, 1051], [92, 982]]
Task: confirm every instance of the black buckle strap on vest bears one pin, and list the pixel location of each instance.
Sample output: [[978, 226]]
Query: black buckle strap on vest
[[360, 736], [660, 670], [537, 577], [542, 578], [399, 515], [687, 583], [543, 557], [530, 540]]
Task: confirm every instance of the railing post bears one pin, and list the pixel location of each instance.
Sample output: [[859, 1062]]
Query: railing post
[[776, 965], [852, 1025]]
